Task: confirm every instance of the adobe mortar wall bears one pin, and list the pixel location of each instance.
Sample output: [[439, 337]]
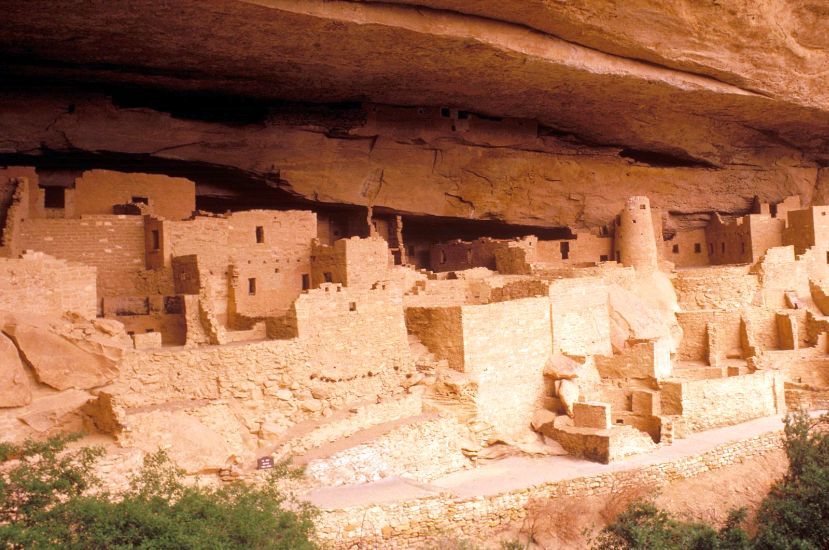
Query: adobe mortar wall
[[716, 288], [411, 524]]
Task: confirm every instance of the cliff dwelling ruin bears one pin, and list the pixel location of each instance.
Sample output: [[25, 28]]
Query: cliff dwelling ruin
[[404, 265]]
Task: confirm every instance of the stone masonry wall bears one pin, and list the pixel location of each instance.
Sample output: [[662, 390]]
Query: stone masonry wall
[[580, 316], [113, 244], [711, 403], [50, 286], [411, 524], [97, 191], [506, 345]]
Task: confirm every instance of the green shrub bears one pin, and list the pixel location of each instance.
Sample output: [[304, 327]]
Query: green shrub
[[45, 502], [795, 514]]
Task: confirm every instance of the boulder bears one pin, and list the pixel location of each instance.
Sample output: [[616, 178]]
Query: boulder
[[68, 352], [48, 412], [192, 444], [58, 362], [14, 383], [561, 367], [568, 393]]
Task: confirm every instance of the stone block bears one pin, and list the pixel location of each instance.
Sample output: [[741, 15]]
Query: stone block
[[147, 340], [591, 415], [646, 403]]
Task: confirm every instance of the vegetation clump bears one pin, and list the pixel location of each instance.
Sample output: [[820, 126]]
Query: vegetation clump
[[794, 515], [50, 497]]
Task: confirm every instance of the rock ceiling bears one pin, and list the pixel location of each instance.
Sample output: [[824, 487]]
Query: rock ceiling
[[730, 97]]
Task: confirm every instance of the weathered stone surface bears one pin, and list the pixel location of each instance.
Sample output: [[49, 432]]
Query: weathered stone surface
[[568, 393], [190, 441], [14, 384], [59, 361], [50, 411]]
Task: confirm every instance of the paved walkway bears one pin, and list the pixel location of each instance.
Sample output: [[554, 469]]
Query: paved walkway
[[518, 472]]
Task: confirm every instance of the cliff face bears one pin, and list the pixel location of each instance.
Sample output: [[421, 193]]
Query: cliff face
[[555, 111]]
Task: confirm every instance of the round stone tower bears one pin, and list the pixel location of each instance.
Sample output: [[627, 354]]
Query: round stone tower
[[635, 243]]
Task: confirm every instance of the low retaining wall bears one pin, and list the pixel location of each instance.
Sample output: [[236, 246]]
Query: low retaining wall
[[411, 524]]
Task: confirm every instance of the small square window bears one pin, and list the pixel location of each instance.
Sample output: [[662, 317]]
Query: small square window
[[352, 306], [642, 207], [252, 287], [444, 112], [54, 197], [327, 276], [697, 248], [603, 258], [675, 249]]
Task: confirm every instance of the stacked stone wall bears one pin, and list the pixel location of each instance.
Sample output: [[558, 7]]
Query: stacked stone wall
[[50, 286], [414, 523], [112, 244]]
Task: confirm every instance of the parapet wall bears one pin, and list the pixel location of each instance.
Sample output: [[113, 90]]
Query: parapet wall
[[414, 523]]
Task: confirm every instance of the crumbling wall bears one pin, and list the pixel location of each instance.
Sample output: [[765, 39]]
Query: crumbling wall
[[585, 248], [43, 285], [97, 191], [729, 287], [440, 330], [113, 244], [695, 336], [460, 255]]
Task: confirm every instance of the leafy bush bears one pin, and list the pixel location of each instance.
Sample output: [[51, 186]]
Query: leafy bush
[[643, 526], [45, 502], [794, 516]]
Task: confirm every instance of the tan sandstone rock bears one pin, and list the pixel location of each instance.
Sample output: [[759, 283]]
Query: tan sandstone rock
[[58, 362], [14, 384]]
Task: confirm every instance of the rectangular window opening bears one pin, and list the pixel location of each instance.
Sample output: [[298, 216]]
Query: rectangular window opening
[[306, 281], [697, 248], [328, 277], [260, 234], [156, 235], [54, 197], [641, 207], [564, 246], [603, 258], [352, 306], [675, 249], [252, 286], [140, 200]]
